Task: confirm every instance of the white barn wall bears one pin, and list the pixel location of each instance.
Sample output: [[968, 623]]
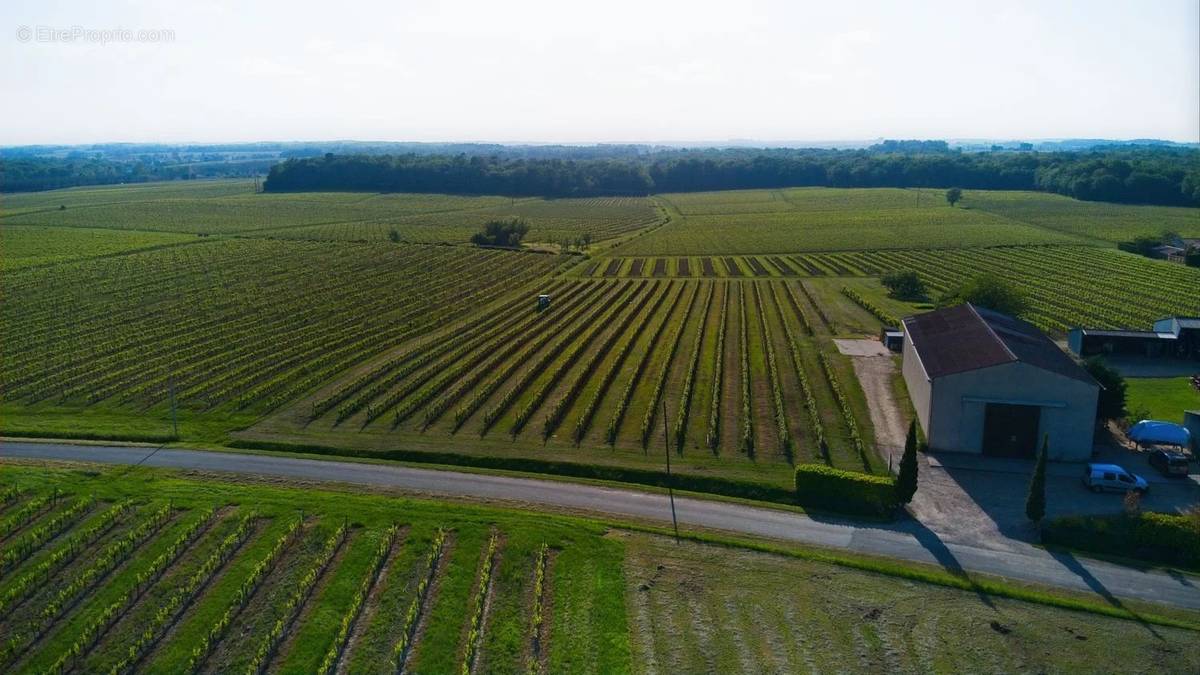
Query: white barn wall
[[918, 384], [1068, 418]]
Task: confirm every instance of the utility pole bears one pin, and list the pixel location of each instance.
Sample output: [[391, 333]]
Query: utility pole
[[670, 483], [174, 419]]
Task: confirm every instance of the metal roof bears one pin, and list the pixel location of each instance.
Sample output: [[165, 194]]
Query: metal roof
[[1095, 332], [965, 337]]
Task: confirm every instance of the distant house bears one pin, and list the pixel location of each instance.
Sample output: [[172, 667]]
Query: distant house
[[1172, 337], [987, 383], [1170, 253], [1177, 249]]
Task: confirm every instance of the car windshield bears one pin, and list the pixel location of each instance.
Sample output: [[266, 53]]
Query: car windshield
[[1125, 478]]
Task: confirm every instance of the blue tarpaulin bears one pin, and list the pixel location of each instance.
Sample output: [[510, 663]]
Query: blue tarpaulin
[[1154, 431]]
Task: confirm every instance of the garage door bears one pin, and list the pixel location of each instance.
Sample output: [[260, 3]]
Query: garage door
[[1011, 430]]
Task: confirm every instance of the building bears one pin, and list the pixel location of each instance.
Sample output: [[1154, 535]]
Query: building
[[1173, 337], [892, 338], [983, 382]]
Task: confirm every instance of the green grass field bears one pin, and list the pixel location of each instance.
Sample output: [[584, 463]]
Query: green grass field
[[138, 570], [1163, 398]]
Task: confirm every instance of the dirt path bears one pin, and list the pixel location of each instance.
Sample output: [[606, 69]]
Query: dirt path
[[875, 375]]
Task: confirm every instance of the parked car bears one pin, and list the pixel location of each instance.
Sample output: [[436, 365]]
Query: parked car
[[1101, 477], [1169, 464]]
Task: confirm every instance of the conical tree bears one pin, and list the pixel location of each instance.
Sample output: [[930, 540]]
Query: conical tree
[[906, 479], [1035, 503]]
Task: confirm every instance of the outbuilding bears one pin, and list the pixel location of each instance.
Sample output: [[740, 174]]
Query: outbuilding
[[987, 383]]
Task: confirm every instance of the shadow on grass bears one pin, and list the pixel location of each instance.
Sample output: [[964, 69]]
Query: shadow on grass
[[945, 557], [1072, 563]]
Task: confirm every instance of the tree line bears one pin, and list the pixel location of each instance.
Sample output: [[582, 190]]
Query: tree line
[[1139, 174], [32, 174], [1136, 175]]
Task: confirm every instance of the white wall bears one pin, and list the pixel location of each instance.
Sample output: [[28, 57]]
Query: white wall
[[919, 387], [1068, 415]]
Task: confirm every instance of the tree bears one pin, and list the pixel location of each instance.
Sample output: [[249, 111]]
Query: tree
[[991, 292], [904, 285], [953, 195], [1035, 503], [906, 478], [1111, 404], [508, 232], [394, 235]]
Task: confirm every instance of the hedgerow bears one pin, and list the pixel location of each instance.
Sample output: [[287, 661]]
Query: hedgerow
[[879, 313]]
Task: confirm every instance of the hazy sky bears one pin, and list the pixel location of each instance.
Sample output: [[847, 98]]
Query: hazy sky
[[610, 70]]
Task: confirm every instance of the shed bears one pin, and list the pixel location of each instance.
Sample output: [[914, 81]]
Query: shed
[[892, 338], [1172, 337], [987, 383]]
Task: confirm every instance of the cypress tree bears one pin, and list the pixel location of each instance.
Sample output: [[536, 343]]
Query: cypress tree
[[906, 480], [1035, 504]]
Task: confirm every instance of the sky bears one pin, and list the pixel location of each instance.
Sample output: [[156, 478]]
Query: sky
[[609, 71]]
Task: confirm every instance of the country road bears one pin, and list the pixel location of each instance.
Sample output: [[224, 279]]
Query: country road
[[907, 540]]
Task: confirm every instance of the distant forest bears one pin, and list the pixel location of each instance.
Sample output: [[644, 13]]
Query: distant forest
[[1165, 174], [1137, 175]]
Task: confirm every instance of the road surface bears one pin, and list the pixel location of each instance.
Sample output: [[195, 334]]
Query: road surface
[[907, 540]]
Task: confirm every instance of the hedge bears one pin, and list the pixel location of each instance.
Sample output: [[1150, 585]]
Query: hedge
[[710, 484], [1155, 537], [130, 437], [831, 489]]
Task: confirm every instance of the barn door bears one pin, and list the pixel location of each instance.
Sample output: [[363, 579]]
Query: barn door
[[1010, 430]]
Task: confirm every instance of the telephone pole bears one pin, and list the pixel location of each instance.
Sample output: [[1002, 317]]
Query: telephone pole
[[174, 418], [670, 483]]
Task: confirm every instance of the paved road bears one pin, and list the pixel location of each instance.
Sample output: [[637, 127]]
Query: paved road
[[908, 540]]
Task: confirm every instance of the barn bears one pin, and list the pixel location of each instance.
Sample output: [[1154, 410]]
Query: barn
[[987, 383]]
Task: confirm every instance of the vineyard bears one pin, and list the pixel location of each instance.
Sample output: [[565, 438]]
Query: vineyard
[[155, 572], [1068, 285], [240, 324], [743, 371], [549, 221], [232, 208], [211, 578], [824, 219], [27, 246], [1095, 220], [314, 318]]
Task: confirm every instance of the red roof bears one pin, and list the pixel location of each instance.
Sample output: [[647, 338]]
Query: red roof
[[965, 337]]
